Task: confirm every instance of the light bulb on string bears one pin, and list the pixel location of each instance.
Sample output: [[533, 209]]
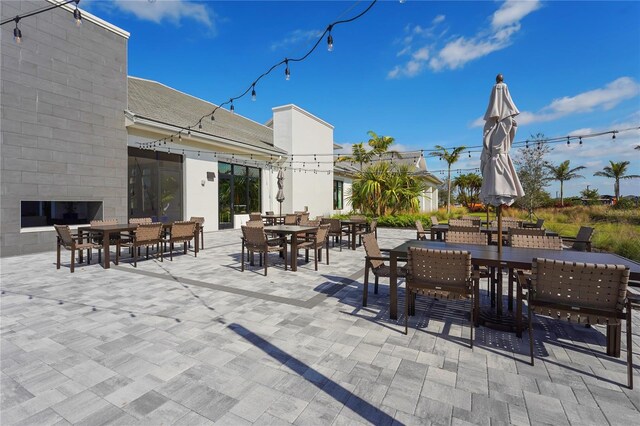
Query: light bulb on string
[[287, 73], [330, 39], [469, 154], [17, 34], [253, 92], [180, 136], [232, 109], [580, 142], [77, 15], [614, 135], [213, 118], [568, 141], [200, 124]]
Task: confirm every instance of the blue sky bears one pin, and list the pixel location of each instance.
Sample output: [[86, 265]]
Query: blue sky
[[420, 71]]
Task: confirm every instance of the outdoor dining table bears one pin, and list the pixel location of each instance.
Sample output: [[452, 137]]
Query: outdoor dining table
[[439, 232], [353, 225], [107, 230], [516, 258], [292, 230]]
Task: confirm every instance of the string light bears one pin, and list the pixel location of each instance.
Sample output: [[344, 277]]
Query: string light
[[232, 109], [568, 141], [287, 73], [614, 135], [253, 92], [17, 34], [330, 39], [77, 15], [580, 143]]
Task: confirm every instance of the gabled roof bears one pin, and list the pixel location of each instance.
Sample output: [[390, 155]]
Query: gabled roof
[[163, 105], [414, 161]]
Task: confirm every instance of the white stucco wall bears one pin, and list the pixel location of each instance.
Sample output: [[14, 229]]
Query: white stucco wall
[[201, 200], [299, 132]]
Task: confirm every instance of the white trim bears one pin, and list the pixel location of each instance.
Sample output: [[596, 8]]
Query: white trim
[[94, 19], [302, 111]]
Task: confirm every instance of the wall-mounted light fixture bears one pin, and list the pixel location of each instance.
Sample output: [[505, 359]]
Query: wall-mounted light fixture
[[211, 176], [202, 182]]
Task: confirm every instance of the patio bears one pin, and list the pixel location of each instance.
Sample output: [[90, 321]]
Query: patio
[[195, 341]]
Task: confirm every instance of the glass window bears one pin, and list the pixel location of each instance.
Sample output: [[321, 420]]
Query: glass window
[[155, 185], [48, 213], [242, 185], [338, 186]]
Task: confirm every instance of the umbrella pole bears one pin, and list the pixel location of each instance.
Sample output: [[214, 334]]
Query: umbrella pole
[[488, 207], [499, 214]]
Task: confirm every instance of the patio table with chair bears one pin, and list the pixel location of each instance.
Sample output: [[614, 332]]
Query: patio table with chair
[[293, 230], [355, 225], [513, 258], [106, 232]]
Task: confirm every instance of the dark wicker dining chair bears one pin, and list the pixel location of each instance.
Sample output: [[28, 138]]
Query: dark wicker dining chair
[[581, 293], [71, 242], [374, 261], [335, 230], [145, 235], [442, 274], [181, 232], [316, 242], [254, 240]]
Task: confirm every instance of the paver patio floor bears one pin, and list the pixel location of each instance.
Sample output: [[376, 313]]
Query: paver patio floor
[[196, 341]]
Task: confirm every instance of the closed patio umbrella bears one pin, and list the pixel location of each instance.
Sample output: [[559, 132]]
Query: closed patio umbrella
[[280, 194], [500, 183]]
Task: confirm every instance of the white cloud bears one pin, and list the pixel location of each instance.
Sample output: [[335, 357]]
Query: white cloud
[[512, 11], [454, 54], [604, 98], [173, 11], [296, 37]]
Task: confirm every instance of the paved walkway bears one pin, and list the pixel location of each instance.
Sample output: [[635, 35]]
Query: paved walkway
[[196, 341]]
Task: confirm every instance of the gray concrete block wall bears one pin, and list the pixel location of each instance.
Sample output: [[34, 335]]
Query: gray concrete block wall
[[63, 137]]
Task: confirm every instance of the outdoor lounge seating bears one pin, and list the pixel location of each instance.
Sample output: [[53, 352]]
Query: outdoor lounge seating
[[582, 241], [582, 293], [71, 242], [181, 232], [254, 240], [145, 235], [443, 274], [374, 262], [316, 242]]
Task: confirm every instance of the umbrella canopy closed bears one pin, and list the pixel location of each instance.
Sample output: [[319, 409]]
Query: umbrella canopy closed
[[500, 183], [280, 194]]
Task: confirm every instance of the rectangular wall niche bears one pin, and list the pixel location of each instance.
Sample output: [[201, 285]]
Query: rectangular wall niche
[[49, 213]]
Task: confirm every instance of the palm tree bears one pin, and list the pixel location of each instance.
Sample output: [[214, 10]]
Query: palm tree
[[468, 186], [562, 173], [451, 158], [616, 171], [359, 154], [381, 144]]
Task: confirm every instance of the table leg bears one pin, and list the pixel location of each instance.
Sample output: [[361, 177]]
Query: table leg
[[518, 308], [196, 236], [499, 292], [105, 248], [294, 252], [614, 332], [393, 286], [353, 236], [80, 241]]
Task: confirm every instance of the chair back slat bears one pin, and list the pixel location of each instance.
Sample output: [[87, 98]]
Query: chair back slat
[[254, 236], [475, 221], [104, 222], [373, 226], [291, 219], [525, 231], [434, 221], [536, 241], [419, 226], [446, 267], [372, 249], [65, 235], [466, 238], [255, 224], [136, 220], [197, 219], [148, 232], [182, 229], [595, 286]]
